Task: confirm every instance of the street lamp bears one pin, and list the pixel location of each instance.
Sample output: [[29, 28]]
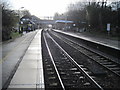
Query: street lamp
[[20, 15]]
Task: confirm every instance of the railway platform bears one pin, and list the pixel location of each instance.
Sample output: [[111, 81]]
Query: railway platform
[[30, 70], [103, 41], [29, 73]]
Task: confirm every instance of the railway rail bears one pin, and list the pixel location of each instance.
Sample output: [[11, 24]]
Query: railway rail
[[103, 70], [61, 70], [99, 58], [95, 45]]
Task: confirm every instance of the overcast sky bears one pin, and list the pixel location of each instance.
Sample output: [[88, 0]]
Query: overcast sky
[[42, 8]]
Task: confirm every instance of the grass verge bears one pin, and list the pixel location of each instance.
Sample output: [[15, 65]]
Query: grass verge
[[15, 35]]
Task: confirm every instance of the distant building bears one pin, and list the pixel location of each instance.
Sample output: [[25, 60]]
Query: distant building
[[36, 20], [63, 24]]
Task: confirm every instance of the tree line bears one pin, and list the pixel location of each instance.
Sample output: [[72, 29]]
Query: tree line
[[93, 15], [10, 20]]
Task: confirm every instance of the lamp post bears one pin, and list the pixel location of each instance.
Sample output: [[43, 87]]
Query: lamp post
[[66, 22], [20, 15]]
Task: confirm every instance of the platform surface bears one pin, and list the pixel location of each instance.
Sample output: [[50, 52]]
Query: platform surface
[[104, 41], [30, 71]]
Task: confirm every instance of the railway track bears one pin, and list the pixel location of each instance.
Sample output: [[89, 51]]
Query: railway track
[[61, 70], [99, 58], [104, 48], [102, 75]]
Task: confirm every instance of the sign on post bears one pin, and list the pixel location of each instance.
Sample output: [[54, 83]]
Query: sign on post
[[108, 28]]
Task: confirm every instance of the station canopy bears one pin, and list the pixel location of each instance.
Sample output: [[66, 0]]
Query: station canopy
[[63, 21]]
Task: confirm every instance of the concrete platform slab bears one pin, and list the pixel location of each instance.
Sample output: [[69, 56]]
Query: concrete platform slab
[[40, 65], [28, 64], [34, 48], [33, 86], [25, 76], [31, 57], [31, 52]]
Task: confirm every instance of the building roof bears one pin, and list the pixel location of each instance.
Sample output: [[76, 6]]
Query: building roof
[[63, 21]]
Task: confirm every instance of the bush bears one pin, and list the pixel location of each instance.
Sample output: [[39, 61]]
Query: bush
[[9, 20]]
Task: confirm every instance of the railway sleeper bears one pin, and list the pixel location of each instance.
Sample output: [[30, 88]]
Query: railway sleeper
[[109, 65], [115, 69], [106, 63]]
